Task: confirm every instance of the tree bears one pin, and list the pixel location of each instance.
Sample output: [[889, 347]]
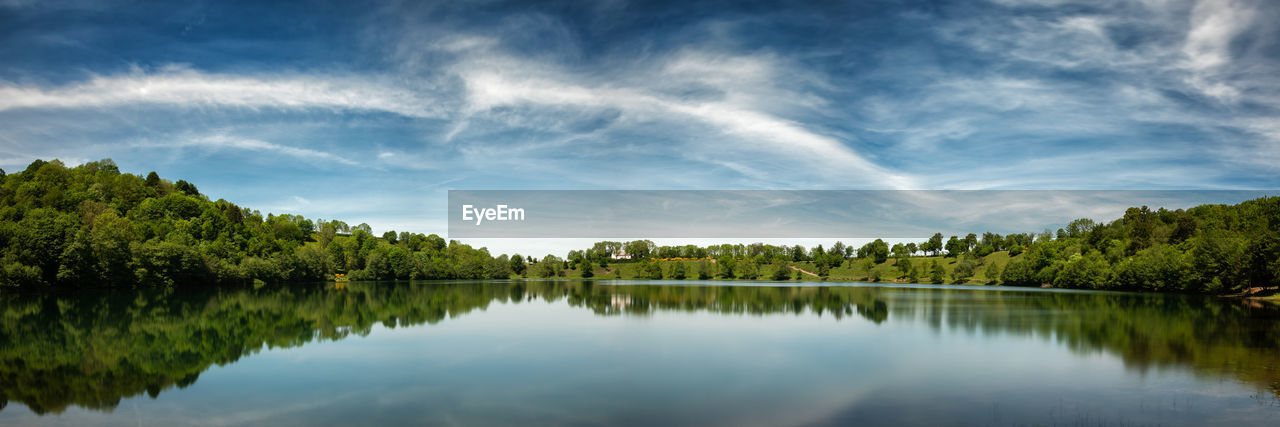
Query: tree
[[516, 264], [678, 271], [839, 249], [877, 250], [110, 239], [1184, 228], [653, 269], [954, 247], [704, 270], [963, 271], [186, 188], [1018, 272], [1016, 250], [549, 266], [938, 274], [327, 233], [797, 253], [1159, 268], [780, 271], [726, 265], [1084, 272], [389, 236], [904, 265], [992, 272], [585, 268], [933, 245], [1141, 224], [899, 250]]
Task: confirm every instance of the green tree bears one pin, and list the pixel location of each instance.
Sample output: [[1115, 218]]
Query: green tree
[[726, 267], [186, 188], [992, 272], [516, 264], [780, 271], [653, 269], [1018, 272], [933, 245], [954, 247], [963, 270], [678, 271], [938, 274], [704, 270], [877, 250], [1084, 272]]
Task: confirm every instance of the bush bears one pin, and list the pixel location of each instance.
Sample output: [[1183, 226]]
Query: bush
[[1018, 273], [678, 271], [16, 274], [780, 272], [1084, 272], [704, 270], [1158, 268], [963, 271], [938, 275]]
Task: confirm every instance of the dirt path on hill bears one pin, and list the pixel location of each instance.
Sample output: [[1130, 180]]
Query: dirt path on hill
[[802, 270]]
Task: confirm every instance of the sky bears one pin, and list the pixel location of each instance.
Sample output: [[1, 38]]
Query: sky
[[371, 112]]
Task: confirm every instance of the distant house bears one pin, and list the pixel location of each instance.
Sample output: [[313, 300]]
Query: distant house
[[620, 254]]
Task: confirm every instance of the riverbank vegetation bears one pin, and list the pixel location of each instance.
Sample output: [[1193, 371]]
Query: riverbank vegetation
[[1206, 249], [92, 225]]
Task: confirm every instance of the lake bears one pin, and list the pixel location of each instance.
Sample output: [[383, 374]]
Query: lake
[[635, 353]]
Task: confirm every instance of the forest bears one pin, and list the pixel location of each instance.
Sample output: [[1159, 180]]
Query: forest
[[92, 225]]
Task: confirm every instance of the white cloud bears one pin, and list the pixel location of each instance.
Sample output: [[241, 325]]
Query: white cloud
[[222, 141], [1214, 24], [744, 92], [193, 89]]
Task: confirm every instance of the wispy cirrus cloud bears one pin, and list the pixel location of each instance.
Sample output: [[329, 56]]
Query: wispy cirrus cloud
[[220, 141], [735, 107], [187, 88], [420, 96]]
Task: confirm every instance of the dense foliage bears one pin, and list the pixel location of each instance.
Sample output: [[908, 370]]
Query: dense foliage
[[1205, 249], [92, 225]]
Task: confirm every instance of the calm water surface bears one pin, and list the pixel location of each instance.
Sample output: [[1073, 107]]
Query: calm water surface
[[643, 353]]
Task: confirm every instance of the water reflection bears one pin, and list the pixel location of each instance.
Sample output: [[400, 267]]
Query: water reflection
[[92, 350]]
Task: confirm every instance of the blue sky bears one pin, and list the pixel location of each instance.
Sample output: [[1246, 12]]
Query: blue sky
[[369, 113]]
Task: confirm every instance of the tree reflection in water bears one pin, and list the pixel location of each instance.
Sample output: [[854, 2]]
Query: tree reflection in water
[[92, 349]]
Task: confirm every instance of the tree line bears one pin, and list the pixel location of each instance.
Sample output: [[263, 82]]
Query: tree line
[[92, 225], [1214, 248]]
